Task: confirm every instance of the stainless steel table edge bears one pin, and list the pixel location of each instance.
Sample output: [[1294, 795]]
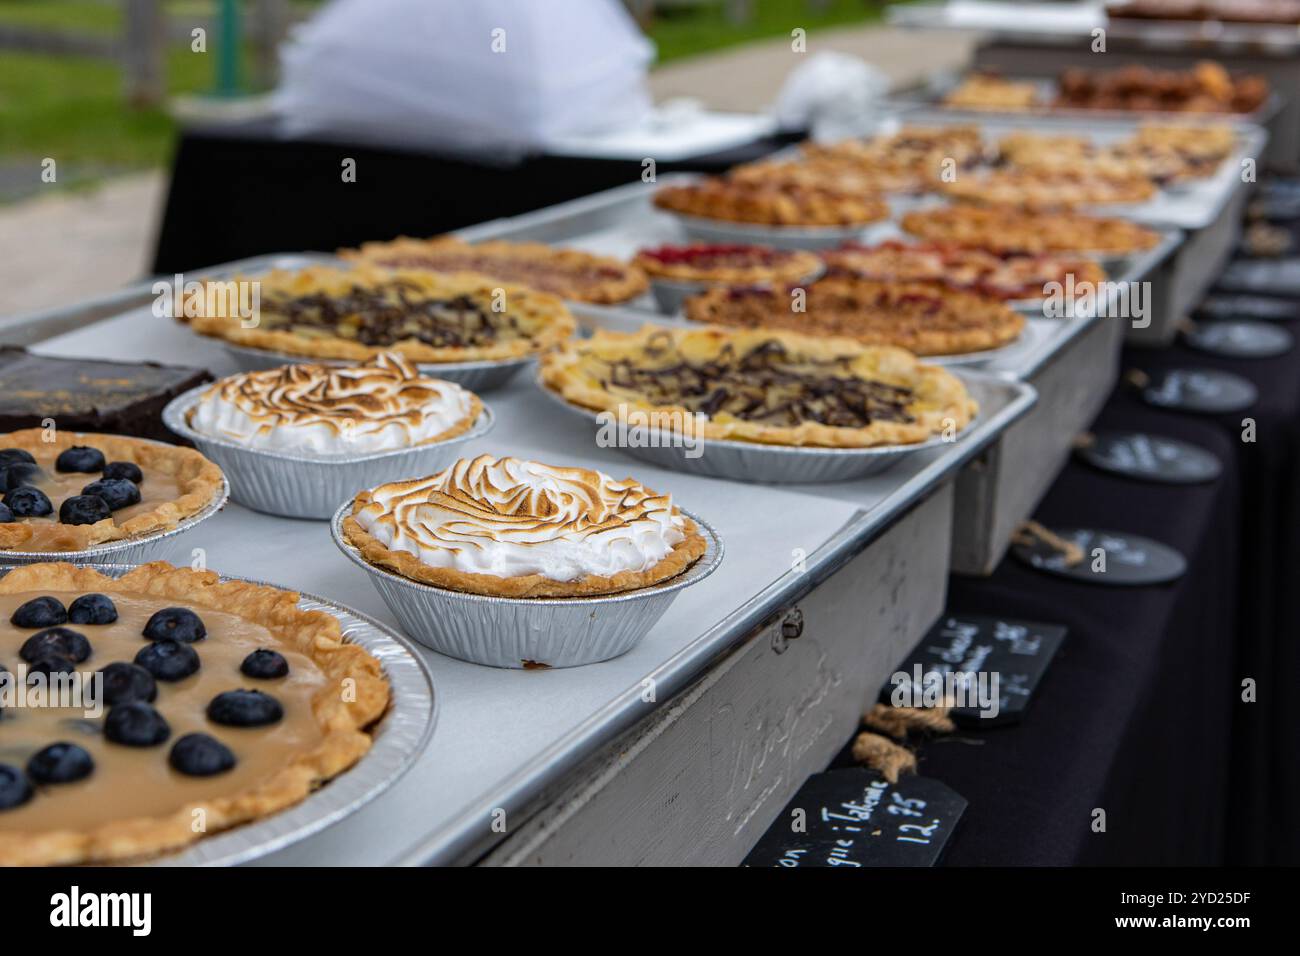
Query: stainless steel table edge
[[458, 843]]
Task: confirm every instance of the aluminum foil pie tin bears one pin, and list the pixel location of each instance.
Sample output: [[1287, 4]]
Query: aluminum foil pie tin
[[779, 237], [527, 632], [309, 486], [671, 294], [480, 376], [399, 737]]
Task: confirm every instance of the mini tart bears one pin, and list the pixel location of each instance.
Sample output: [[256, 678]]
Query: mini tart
[[727, 264], [768, 387], [322, 733], [1044, 189], [567, 273], [356, 314], [1005, 277], [478, 507], [178, 482], [1006, 230], [924, 318], [772, 204]]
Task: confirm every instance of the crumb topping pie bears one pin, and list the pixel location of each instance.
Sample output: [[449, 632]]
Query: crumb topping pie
[[761, 386], [510, 527], [67, 491], [381, 405], [568, 273], [138, 705], [728, 264], [924, 318], [356, 314], [1007, 230], [773, 204]]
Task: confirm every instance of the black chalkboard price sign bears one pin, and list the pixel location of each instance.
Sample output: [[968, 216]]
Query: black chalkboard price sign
[[1151, 458], [989, 666], [1109, 557], [1204, 390], [855, 818]]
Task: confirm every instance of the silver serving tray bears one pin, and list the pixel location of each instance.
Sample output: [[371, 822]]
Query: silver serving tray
[[399, 737], [779, 237]]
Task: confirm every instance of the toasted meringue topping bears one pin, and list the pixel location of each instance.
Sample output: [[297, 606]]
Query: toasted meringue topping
[[380, 406], [509, 517]]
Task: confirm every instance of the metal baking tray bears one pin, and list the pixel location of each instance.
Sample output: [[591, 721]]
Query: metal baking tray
[[400, 735]]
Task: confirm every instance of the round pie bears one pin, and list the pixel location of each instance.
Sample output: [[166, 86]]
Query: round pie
[[514, 528], [356, 314], [67, 491], [1035, 188], [381, 405], [568, 273], [924, 318], [772, 204], [728, 264], [761, 386], [1006, 230], [174, 705]]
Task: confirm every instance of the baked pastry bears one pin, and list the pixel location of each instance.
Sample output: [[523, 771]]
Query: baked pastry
[[1160, 153], [382, 405], [90, 395], [768, 387], [924, 318], [1004, 277], [833, 172], [727, 264], [66, 491], [1205, 88], [355, 314], [924, 152], [1228, 11], [1008, 231], [982, 91], [567, 273], [772, 204], [223, 704], [1053, 188], [521, 529]]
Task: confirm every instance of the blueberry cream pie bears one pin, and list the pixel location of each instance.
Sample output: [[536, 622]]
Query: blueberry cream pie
[[727, 264], [77, 490], [356, 314], [179, 697], [509, 527], [568, 273], [763, 386]]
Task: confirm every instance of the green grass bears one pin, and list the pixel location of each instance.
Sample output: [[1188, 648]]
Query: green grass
[[692, 30]]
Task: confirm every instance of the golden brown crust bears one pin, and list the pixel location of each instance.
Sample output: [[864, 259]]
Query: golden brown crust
[[539, 320], [568, 273], [1043, 189], [198, 481], [939, 402], [1008, 230], [773, 204], [729, 265], [684, 554], [313, 633]]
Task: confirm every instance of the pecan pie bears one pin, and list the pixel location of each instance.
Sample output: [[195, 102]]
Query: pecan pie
[[1008, 231], [768, 387], [772, 204], [221, 702], [1003, 277], [567, 273], [67, 491], [924, 318], [424, 316], [1204, 88], [727, 264]]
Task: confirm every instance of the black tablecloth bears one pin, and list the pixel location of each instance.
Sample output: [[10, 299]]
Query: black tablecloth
[[243, 191]]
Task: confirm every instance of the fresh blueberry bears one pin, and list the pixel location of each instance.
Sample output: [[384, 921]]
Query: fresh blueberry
[[60, 763], [118, 492], [49, 664], [175, 624], [80, 458], [22, 475], [62, 641], [92, 609], [28, 502], [244, 708], [84, 509], [168, 660], [43, 611], [198, 755], [136, 724], [14, 788], [264, 665], [6, 515], [11, 456], [125, 682], [126, 470]]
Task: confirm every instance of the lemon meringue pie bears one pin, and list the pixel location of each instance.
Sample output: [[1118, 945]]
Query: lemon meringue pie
[[516, 528], [383, 405]]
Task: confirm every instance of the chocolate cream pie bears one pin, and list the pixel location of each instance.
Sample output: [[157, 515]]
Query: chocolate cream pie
[[514, 528]]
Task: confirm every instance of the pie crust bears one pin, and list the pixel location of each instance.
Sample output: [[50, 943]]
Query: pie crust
[[728, 264], [1006, 230], [1045, 189], [534, 321], [198, 481], [929, 399], [773, 204], [568, 273], [315, 634]]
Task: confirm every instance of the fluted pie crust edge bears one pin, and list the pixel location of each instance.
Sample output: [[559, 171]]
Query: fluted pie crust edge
[[315, 634], [685, 553], [197, 479]]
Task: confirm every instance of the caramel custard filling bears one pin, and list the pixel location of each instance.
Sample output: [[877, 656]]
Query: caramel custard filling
[[48, 534]]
